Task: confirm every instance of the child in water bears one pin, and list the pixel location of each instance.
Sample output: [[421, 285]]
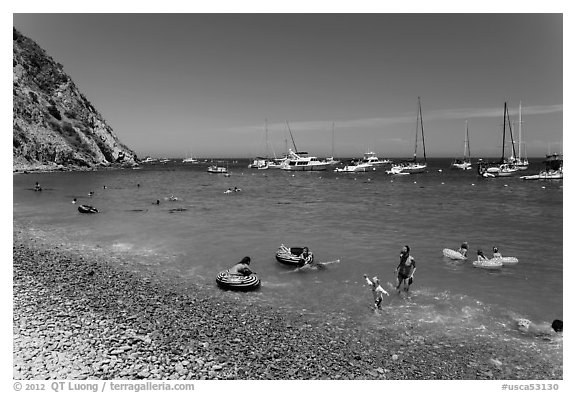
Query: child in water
[[377, 291]]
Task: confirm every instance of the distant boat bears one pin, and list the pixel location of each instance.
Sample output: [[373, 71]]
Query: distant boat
[[554, 169], [218, 168], [413, 166], [190, 160], [465, 162], [262, 162], [520, 162], [259, 163], [371, 159], [148, 160], [301, 161], [358, 167], [331, 160], [500, 168]]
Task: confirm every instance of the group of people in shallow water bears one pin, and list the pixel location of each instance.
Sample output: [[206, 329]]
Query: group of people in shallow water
[[480, 254], [404, 273], [404, 277]]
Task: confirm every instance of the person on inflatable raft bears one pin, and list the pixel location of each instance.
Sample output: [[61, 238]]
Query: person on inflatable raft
[[241, 268], [464, 249], [306, 258]]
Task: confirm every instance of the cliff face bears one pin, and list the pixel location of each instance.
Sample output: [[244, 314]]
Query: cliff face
[[54, 124]]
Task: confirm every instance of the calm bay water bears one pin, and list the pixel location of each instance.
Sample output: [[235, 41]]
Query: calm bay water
[[361, 219]]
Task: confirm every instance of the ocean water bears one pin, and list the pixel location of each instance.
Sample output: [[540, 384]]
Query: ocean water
[[361, 219]]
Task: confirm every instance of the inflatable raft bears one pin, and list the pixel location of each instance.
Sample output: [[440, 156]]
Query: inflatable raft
[[87, 209], [237, 282], [507, 260], [453, 254], [290, 256], [488, 264]]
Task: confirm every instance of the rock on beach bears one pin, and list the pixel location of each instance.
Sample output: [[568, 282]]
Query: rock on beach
[[117, 324]]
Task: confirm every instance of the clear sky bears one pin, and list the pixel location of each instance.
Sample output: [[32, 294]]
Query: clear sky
[[203, 84]]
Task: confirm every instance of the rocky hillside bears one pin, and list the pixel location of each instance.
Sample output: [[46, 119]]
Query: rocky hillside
[[55, 126]]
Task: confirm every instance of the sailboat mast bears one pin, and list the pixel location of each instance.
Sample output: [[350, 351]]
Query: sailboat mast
[[520, 130], [332, 139], [266, 133], [422, 127], [504, 132], [467, 143], [417, 126], [291, 136], [511, 137]]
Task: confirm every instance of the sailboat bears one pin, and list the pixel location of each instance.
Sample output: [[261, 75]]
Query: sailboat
[[413, 166], [262, 162], [465, 162], [331, 160], [500, 168], [190, 159], [521, 163]]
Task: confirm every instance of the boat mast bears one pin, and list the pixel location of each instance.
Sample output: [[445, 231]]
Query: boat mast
[[503, 133], [520, 131], [417, 126], [466, 140], [467, 143], [266, 133], [511, 137], [332, 139], [291, 136], [422, 127]]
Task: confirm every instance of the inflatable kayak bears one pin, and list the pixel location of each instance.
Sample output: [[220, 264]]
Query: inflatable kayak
[[453, 254], [87, 209], [488, 264], [237, 282], [507, 260], [290, 256]]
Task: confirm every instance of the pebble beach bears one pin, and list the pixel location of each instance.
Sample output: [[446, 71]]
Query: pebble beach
[[85, 316]]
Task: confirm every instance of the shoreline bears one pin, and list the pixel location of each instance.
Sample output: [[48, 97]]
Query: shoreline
[[84, 317]]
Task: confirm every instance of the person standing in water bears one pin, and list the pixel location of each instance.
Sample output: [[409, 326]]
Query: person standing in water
[[405, 269], [377, 291]]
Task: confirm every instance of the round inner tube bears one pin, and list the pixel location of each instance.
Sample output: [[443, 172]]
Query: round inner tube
[[237, 282], [87, 209], [291, 258]]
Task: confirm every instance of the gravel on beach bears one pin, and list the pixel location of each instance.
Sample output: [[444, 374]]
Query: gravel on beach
[[84, 317]]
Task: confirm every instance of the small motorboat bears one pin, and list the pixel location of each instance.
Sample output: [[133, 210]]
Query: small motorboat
[[87, 209], [237, 282], [290, 255]]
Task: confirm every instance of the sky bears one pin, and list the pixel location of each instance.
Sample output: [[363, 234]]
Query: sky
[[175, 85]]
